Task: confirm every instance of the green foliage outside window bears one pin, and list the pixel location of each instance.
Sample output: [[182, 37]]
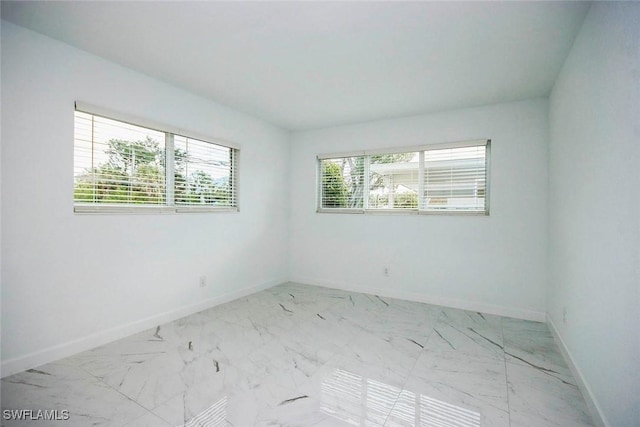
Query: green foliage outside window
[[134, 173]]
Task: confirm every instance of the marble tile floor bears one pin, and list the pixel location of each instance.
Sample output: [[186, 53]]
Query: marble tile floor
[[297, 355]]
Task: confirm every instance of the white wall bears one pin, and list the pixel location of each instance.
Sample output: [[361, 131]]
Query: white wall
[[594, 245], [73, 281], [497, 263]]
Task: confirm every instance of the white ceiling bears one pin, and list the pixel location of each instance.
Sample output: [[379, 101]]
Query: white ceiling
[[303, 65]]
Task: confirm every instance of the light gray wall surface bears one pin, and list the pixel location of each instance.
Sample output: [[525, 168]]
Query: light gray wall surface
[[594, 178]]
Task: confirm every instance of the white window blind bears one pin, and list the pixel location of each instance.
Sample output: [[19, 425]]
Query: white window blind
[[342, 182], [204, 173], [393, 181], [117, 163], [124, 167], [455, 179], [443, 178]]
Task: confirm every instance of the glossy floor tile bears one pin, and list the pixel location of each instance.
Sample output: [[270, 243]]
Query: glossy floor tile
[[297, 355]]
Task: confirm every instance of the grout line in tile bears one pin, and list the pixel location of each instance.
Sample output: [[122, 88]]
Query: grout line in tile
[[412, 369]]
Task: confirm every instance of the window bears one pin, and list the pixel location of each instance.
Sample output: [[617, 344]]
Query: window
[[124, 167], [442, 178]]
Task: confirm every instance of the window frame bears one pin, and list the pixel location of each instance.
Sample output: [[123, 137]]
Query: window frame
[[169, 206], [420, 149]]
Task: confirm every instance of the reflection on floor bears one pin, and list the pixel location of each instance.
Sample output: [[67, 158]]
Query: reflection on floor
[[299, 355], [378, 399]]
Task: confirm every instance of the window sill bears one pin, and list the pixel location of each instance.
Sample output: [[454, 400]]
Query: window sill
[[155, 210], [402, 212]]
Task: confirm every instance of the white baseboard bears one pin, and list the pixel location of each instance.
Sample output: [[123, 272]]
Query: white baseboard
[[518, 313], [60, 351], [596, 412]]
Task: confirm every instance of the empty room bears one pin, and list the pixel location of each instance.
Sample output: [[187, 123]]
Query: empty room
[[320, 213]]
